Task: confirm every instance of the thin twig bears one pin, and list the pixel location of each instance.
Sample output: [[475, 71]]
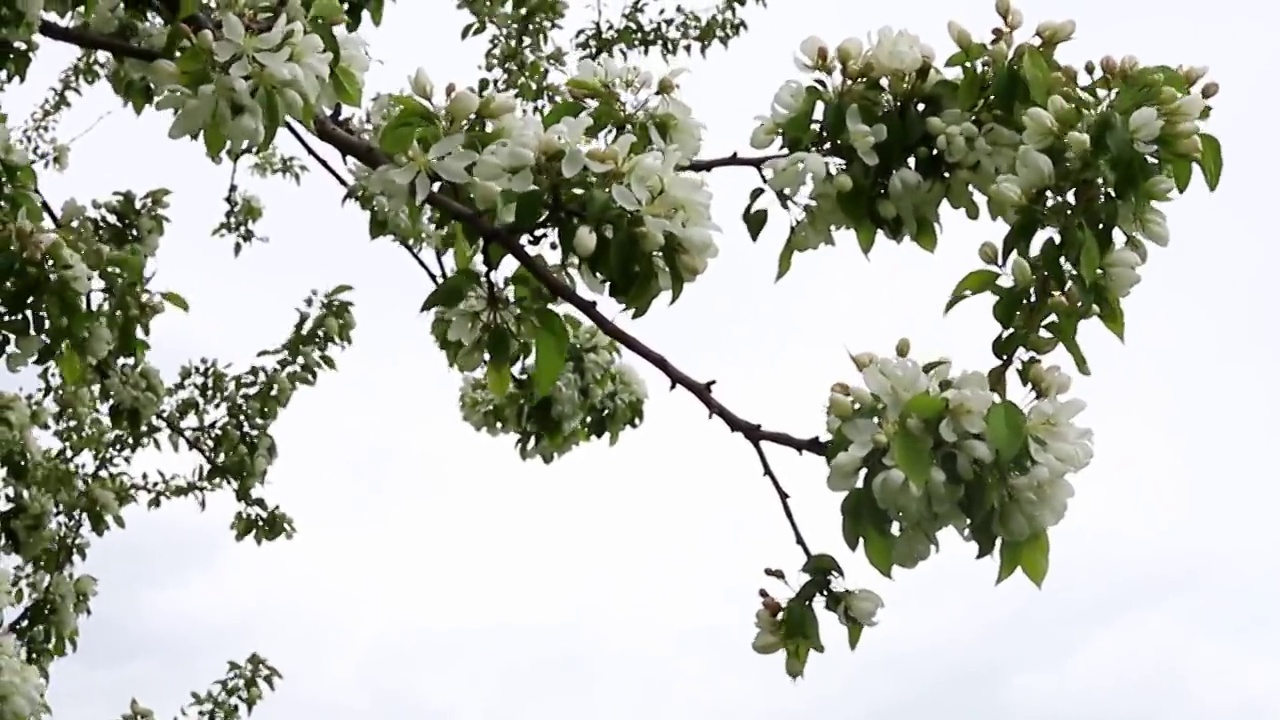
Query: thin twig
[[346, 185]]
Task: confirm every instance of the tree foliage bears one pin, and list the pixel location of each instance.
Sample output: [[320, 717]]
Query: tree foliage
[[564, 177]]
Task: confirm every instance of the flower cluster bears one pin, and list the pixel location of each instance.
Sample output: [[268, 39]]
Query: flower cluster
[[236, 88], [921, 449], [602, 171], [593, 394], [1075, 163], [21, 686]]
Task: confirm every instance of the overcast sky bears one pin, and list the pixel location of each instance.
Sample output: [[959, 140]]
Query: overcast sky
[[436, 576]]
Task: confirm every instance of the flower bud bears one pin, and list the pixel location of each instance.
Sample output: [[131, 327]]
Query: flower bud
[[421, 85], [1036, 375], [584, 241], [1078, 142], [840, 405], [204, 39], [989, 253], [864, 360], [1194, 74], [1159, 188], [1003, 8], [1209, 90], [959, 35], [1014, 19], [463, 104], [998, 52], [1054, 33], [863, 397], [880, 440], [1110, 66], [1138, 248], [1090, 67], [841, 388], [497, 105], [903, 348], [842, 183], [1129, 63], [850, 52], [1021, 271], [164, 72], [767, 643]]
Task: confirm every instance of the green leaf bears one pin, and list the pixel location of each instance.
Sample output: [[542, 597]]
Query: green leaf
[[926, 236], [866, 231], [1036, 72], [569, 108], [1006, 430], [529, 208], [755, 221], [914, 456], [1180, 169], [551, 347], [176, 300], [821, 564], [215, 140], [924, 406], [272, 114], [877, 545], [850, 519], [187, 8], [1210, 161], [970, 89], [1090, 256], [346, 86], [854, 629], [1034, 557], [71, 366], [1010, 559], [975, 283], [499, 378], [329, 11], [1112, 316], [452, 290], [784, 260]]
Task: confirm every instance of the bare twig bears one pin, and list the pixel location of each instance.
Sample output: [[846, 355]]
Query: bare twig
[[734, 160]]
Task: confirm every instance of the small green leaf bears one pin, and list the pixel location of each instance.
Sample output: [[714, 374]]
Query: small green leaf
[[850, 519], [877, 545], [551, 347], [784, 260], [499, 378], [1036, 72], [176, 300], [914, 455], [925, 406], [1210, 160], [755, 221], [1006, 430], [1010, 559], [822, 564], [1034, 557], [854, 629], [569, 108], [452, 290], [1180, 169], [926, 236], [346, 85], [329, 11], [71, 366], [866, 231], [1090, 256], [975, 283], [529, 209]]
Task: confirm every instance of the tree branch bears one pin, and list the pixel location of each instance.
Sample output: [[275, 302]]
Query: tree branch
[[734, 160], [351, 146]]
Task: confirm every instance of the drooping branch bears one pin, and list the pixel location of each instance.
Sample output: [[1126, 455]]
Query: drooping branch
[[371, 156]]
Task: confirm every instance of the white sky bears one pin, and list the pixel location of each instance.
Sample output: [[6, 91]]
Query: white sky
[[437, 576]]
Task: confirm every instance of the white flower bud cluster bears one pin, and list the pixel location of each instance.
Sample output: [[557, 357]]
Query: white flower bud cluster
[[595, 395], [945, 418]]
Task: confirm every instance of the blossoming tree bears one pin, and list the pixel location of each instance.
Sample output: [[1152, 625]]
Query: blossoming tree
[[563, 176]]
